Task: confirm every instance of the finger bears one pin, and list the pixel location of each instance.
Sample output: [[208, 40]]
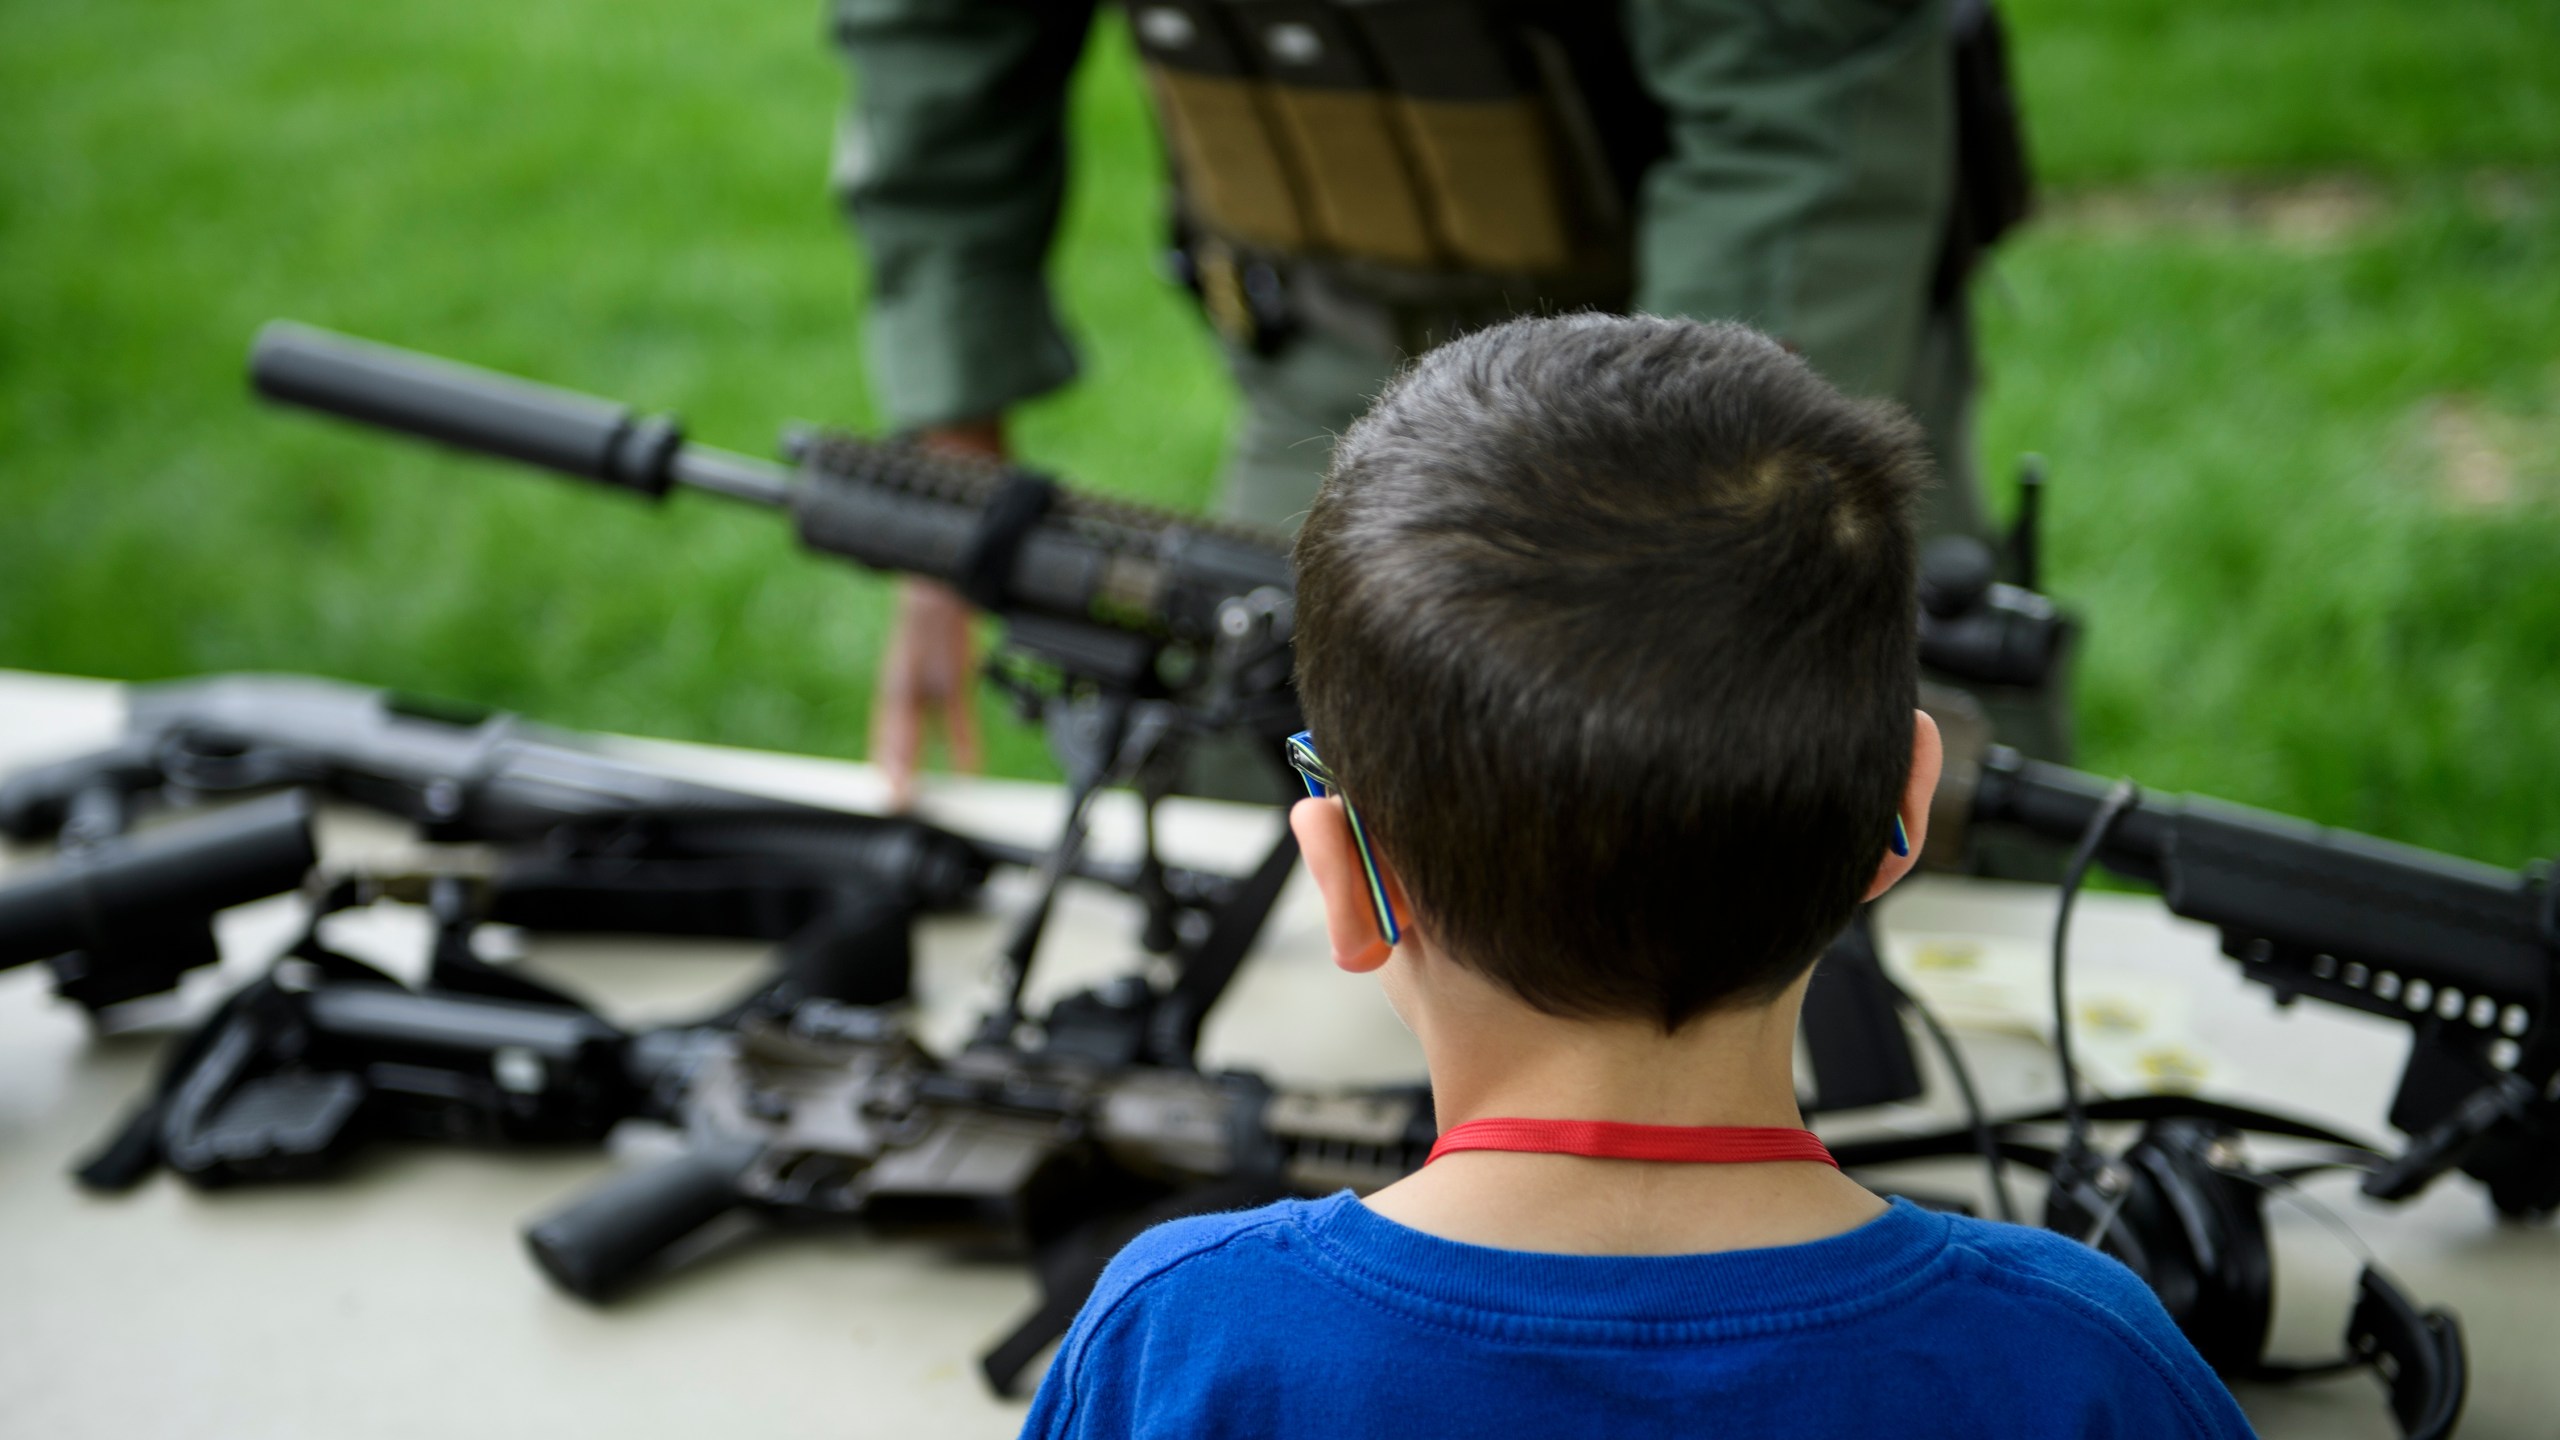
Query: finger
[[896, 724], [960, 702], [960, 727], [895, 738]]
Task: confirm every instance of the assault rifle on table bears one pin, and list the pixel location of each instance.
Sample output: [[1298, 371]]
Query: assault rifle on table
[[584, 839], [578, 839], [794, 1102], [1072, 1145], [458, 772]]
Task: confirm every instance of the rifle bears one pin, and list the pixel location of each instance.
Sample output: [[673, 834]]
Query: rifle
[[1100, 587], [324, 1053], [300, 1067], [2463, 953], [794, 1103], [825, 1111], [459, 772], [1155, 629], [584, 841]]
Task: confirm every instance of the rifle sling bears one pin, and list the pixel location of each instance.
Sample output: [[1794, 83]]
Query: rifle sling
[[984, 570]]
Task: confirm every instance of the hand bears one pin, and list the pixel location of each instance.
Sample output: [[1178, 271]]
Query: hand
[[930, 668]]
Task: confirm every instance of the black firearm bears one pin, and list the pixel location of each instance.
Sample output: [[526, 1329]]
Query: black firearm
[[1073, 1145], [1143, 631], [794, 1103], [1098, 588], [305, 1064], [1155, 629], [580, 840], [2464, 953], [324, 1053], [458, 772], [123, 916], [1101, 588]]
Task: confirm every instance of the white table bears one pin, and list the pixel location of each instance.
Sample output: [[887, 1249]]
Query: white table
[[395, 1300]]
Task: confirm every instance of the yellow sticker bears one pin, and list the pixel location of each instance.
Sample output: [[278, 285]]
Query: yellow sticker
[[1946, 955], [2111, 1016], [2172, 1067]]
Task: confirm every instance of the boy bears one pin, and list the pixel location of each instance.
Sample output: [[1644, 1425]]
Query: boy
[[1605, 632]]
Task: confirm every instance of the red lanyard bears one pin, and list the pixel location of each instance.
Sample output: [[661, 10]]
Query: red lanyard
[[1612, 1140]]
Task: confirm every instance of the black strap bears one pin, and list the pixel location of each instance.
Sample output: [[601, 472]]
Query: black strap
[[984, 571], [2427, 1371], [455, 966], [131, 1154], [1898, 1148]]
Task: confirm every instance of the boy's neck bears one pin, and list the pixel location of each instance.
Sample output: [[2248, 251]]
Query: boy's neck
[[1492, 1056]]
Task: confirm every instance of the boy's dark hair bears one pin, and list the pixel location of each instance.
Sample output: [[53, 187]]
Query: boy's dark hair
[[1606, 626]]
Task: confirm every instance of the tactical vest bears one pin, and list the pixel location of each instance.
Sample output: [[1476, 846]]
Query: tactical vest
[[1440, 157], [1401, 170]]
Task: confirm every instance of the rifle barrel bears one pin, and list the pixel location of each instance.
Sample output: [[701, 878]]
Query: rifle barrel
[[885, 506]]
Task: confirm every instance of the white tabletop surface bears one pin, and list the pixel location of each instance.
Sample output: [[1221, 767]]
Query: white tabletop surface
[[395, 1300]]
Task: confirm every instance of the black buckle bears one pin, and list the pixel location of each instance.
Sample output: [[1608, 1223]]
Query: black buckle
[[2417, 1352]]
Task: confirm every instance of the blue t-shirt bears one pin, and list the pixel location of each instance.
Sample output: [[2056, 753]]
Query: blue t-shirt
[[1320, 1318]]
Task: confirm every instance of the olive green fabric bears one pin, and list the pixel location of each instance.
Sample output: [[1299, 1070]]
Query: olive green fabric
[[951, 161], [1806, 192], [1297, 400], [1810, 173]]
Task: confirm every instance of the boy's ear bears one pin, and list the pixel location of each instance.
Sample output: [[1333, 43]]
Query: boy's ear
[[1928, 754], [1333, 860]]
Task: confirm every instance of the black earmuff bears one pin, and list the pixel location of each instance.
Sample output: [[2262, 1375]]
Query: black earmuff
[[2184, 1209], [2174, 1209]]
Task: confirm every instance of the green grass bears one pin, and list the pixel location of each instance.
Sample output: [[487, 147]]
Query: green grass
[[2250, 425], [2122, 89], [2287, 605]]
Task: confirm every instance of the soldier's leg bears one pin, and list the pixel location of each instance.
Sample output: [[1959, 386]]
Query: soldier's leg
[[1807, 192], [1295, 402]]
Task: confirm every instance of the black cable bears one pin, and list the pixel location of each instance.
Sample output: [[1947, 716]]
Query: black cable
[[2119, 800], [1986, 1143]]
